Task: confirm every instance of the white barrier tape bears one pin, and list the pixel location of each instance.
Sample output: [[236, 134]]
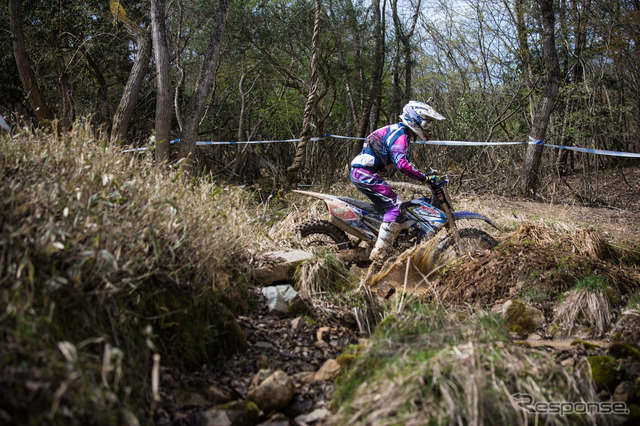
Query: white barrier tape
[[535, 142], [461, 143], [597, 151], [207, 143], [532, 141], [249, 142], [345, 137]]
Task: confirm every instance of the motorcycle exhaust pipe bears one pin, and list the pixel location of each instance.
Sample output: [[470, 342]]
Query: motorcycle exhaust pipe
[[341, 224]]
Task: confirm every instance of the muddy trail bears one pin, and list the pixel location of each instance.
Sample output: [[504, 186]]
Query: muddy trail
[[305, 348], [565, 279]]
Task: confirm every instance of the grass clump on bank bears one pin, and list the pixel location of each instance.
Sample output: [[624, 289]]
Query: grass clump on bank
[[544, 264], [431, 365], [106, 259]]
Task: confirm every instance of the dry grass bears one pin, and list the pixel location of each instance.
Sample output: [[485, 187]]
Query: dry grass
[[584, 308], [106, 258], [431, 366], [325, 275], [299, 210], [411, 270]]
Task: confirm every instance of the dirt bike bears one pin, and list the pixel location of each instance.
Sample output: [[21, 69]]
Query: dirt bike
[[421, 218]]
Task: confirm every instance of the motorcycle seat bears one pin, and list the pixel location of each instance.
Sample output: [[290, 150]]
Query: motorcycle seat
[[368, 207]]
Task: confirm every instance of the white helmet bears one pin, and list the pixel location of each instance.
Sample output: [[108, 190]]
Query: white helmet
[[418, 116]]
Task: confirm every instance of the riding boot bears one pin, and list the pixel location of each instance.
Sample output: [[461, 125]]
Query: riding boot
[[386, 236]]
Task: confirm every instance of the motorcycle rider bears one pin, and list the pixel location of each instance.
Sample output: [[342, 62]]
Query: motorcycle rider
[[388, 147]]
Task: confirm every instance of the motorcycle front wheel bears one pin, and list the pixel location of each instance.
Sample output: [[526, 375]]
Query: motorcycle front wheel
[[471, 240], [321, 235]]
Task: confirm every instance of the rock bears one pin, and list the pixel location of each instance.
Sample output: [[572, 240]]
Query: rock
[[314, 416], [604, 371], [233, 414], [633, 368], [283, 299], [624, 392], [299, 405], [323, 333], [627, 329], [218, 395], [328, 371], [297, 324], [275, 300], [260, 377], [212, 417], [624, 350], [521, 318], [262, 362], [189, 398], [278, 419], [304, 377], [497, 309], [264, 345], [273, 393], [279, 265]]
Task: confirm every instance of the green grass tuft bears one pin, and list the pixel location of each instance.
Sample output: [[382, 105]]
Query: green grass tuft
[[431, 365], [592, 283]]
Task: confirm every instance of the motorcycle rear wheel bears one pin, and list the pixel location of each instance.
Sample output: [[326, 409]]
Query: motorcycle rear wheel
[[321, 235]]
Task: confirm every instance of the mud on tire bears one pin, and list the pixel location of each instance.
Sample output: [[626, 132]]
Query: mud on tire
[[321, 235]]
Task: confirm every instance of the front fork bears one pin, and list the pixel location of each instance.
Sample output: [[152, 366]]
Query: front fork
[[442, 195]]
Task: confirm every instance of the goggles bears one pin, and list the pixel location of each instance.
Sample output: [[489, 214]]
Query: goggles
[[425, 124]]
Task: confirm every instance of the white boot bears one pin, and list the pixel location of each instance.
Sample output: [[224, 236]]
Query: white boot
[[386, 236]]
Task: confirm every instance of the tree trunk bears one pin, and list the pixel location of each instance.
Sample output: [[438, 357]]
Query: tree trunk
[[65, 87], [27, 75], [523, 51], [104, 111], [405, 38], [131, 90], [547, 101], [163, 80], [375, 87], [298, 161], [196, 107]]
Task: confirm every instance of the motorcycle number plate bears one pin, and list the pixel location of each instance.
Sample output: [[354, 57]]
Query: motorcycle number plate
[[341, 211]]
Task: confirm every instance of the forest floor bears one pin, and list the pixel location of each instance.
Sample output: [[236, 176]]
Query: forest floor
[[614, 209], [301, 347]]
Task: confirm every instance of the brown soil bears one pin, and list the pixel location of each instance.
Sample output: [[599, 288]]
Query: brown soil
[[272, 345], [613, 206], [618, 225]]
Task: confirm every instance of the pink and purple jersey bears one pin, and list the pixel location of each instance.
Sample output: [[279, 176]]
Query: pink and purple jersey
[[388, 146]]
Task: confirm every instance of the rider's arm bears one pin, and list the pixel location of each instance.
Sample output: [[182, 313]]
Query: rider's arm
[[399, 156]]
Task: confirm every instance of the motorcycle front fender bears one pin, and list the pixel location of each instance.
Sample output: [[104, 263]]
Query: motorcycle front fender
[[474, 216]]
